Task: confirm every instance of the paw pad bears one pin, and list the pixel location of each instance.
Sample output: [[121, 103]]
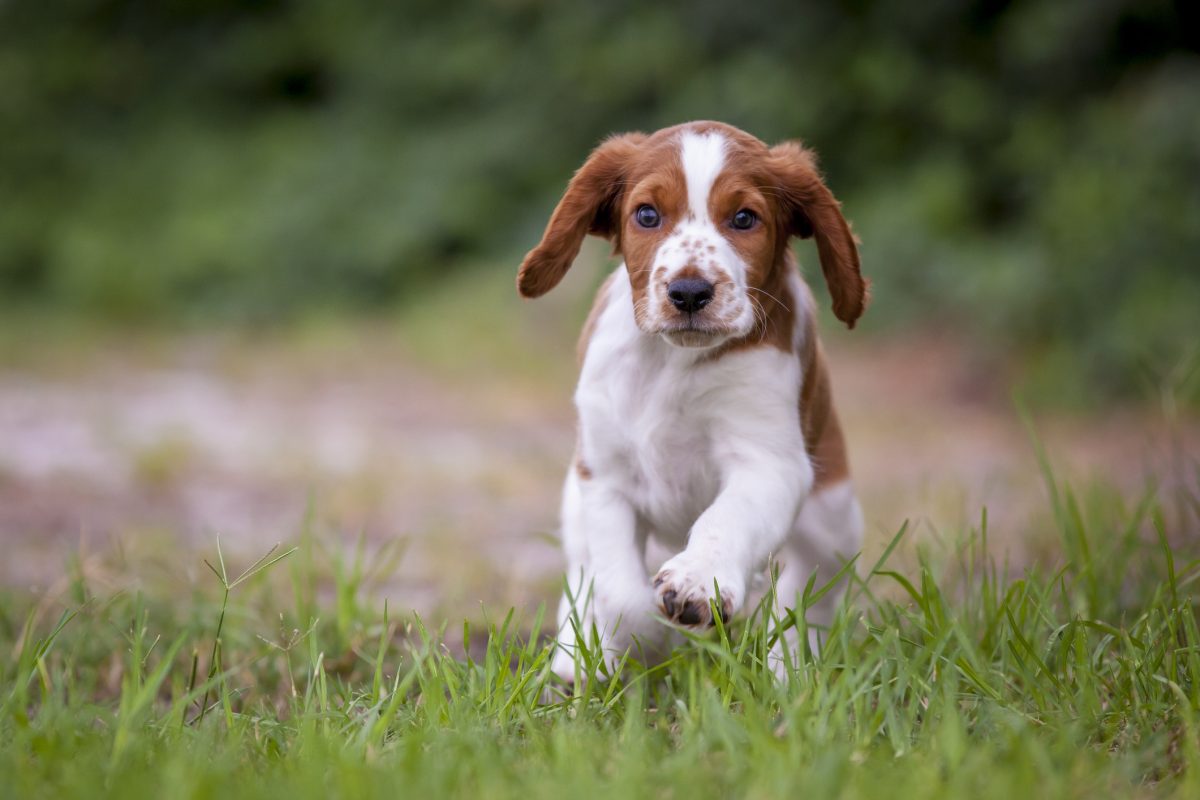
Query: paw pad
[[689, 608]]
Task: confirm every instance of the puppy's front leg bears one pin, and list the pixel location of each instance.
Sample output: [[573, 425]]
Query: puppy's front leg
[[606, 575], [734, 537]]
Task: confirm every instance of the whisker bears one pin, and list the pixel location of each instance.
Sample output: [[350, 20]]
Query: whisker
[[768, 294], [760, 316], [763, 326]]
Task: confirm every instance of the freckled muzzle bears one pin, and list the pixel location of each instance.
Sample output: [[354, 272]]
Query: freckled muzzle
[[695, 292]]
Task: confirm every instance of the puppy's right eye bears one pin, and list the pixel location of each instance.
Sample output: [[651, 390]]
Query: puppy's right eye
[[647, 217]]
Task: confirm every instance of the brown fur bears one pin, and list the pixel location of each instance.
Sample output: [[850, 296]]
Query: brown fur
[[818, 418], [588, 206], [810, 209]]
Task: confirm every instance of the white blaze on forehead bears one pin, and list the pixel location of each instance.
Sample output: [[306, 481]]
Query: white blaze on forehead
[[703, 155]]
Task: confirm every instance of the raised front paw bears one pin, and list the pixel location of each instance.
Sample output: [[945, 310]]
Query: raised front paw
[[684, 587]]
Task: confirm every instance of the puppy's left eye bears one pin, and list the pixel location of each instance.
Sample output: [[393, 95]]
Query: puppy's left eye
[[744, 220], [648, 216]]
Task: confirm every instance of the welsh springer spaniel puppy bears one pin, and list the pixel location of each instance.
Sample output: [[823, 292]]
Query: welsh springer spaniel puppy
[[706, 420]]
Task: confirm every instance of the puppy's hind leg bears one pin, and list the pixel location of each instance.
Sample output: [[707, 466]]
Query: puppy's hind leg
[[828, 532]]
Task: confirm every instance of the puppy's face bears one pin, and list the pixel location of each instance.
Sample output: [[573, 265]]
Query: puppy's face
[[700, 237], [702, 214]]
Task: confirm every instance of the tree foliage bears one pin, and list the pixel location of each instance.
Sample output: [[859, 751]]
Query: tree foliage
[[1030, 169]]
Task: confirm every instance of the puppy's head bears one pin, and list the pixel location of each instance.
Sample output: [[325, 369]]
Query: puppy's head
[[702, 214]]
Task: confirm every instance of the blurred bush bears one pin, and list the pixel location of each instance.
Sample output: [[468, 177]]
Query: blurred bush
[[1028, 170]]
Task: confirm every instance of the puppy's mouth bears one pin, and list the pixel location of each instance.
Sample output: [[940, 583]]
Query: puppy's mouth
[[691, 332]]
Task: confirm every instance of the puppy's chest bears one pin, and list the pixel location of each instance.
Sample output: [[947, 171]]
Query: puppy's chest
[[652, 435]]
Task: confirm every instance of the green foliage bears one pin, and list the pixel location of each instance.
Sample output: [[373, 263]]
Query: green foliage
[[1026, 170], [949, 680]]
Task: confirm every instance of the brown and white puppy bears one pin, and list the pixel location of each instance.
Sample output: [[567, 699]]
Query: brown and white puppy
[[705, 414]]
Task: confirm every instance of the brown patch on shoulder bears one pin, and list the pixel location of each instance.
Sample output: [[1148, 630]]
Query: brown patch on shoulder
[[582, 469], [593, 317], [819, 422]]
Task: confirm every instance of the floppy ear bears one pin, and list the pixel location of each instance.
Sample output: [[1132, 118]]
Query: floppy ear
[[812, 210], [590, 205]]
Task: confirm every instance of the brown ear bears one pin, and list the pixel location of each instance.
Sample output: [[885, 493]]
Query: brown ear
[[812, 210], [590, 205]]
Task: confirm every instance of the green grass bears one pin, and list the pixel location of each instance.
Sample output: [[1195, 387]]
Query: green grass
[[950, 679]]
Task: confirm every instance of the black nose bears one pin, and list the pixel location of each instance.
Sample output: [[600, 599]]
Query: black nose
[[690, 294]]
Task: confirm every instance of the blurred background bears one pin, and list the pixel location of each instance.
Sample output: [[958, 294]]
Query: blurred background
[[256, 260]]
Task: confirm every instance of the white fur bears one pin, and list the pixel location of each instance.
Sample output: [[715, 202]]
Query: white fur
[[702, 155]]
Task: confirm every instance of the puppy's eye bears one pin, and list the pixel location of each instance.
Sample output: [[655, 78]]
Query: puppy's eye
[[744, 220], [647, 217]]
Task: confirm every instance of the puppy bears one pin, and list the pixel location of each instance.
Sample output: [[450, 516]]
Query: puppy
[[706, 419]]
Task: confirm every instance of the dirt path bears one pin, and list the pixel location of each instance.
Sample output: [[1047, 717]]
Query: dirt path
[[198, 438]]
